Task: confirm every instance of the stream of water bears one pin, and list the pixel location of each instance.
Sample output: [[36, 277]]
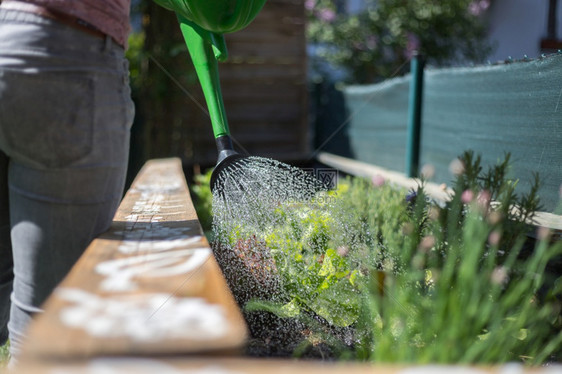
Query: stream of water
[[255, 195]]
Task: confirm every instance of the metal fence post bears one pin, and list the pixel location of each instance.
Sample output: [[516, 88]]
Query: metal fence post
[[414, 116]]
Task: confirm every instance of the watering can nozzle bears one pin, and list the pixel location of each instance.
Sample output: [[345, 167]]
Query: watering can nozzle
[[225, 148], [228, 157]]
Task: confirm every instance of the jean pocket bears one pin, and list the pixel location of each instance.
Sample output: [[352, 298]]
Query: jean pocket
[[46, 119]]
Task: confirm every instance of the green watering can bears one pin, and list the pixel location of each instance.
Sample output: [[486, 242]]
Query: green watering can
[[203, 23]]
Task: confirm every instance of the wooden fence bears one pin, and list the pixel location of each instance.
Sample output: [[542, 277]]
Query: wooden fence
[[263, 84]]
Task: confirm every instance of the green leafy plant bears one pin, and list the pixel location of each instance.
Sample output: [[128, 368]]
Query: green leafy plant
[[377, 41], [463, 307], [377, 273], [4, 354], [461, 292], [203, 201]]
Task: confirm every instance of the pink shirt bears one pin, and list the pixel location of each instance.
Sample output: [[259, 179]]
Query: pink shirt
[[109, 16]]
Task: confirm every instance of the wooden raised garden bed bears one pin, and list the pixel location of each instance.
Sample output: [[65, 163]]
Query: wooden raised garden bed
[[148, 296]]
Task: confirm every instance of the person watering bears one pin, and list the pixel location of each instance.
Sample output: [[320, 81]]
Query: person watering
[[65, 118]]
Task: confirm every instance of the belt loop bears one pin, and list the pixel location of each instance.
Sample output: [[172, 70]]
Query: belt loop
[[107, 44]]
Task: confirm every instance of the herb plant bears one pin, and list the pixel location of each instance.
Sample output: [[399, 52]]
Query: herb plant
[[382, 274]]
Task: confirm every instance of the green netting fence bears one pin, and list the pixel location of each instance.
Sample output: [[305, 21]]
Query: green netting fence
[[378, 122], [514, 107]]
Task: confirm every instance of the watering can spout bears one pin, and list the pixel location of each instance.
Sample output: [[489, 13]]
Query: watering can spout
[[203, 23], [225, 148], [215, 40], [205, 48]]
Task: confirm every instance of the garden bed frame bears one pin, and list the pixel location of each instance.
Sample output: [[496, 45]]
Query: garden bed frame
[[440, 192], [123, 304]]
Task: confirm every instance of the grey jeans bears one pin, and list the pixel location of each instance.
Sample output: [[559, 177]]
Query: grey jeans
[[65, 118]]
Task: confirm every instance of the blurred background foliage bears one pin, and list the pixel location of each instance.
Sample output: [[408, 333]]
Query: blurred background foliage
[[364, 45], [376, 41]]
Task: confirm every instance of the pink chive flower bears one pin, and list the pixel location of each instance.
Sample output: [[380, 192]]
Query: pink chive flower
[[433, 213], [427, 243], [544, 233], [456, 167], [467, 196], [499, 275], [494, 217], [428, 171], [378, 180], [494, 237], [484, 197]]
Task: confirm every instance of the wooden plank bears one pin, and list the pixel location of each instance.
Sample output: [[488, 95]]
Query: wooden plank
[[148, 285], [271, 28], [272, 89], [276, 32], [239, 72], [249, 111], [439, 192], [208, 158], [251, 49], [128, 365], [246, 135]]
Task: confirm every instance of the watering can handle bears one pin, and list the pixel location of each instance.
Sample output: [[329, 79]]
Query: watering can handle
[[205, 48]]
